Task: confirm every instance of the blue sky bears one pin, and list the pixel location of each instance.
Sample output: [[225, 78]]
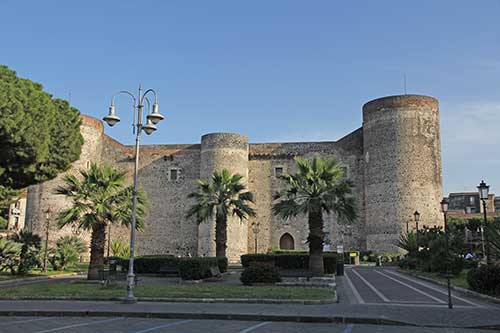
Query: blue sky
[[280, 70]]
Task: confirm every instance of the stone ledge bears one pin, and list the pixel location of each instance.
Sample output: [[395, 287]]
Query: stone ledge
[[332, 300]]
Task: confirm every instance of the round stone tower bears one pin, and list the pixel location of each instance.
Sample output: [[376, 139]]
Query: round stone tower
[[224, 151], [42, 196], [402, 167]]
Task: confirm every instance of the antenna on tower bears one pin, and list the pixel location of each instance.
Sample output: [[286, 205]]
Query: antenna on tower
[[404, 82]]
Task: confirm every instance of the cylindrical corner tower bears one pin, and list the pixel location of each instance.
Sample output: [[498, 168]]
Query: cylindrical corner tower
[[402, 167], [224, 151], [42, 196]]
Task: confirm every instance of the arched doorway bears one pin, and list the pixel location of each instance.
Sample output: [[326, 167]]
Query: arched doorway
[[286, 242]]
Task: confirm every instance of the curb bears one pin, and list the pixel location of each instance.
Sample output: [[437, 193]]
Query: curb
[[211, 316], [37, 278], [455, 288], [181, 300]]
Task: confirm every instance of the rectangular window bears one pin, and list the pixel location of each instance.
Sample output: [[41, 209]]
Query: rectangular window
[[472, 200], [173, 174], [278, 171]]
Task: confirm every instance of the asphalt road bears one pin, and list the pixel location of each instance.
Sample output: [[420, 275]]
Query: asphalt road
[[143, 325], [385, 286]]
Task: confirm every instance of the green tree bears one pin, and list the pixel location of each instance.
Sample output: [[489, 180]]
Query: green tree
[[99, 198], [39, 135], [224, 196], [319, 187]]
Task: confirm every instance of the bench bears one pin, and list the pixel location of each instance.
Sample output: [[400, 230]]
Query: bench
[[110, 275]]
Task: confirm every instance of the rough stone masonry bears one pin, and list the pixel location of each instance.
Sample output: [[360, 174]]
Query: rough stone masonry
[[394, 160]]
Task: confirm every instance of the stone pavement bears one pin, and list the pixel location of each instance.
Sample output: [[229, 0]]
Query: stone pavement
[[481, 317]]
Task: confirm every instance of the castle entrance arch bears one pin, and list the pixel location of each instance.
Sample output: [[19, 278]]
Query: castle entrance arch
[[287, 242]]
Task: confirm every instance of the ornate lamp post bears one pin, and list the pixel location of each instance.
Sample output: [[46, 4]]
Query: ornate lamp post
[[444, 209], [256, 230], [483, 195], [153, 118], [47, 229], [416, 215]]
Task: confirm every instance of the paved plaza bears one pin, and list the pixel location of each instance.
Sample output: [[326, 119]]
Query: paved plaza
[[142, 325]]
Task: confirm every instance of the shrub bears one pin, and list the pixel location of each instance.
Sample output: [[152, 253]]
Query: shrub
[[408, 263], [67, 252], [30, 248], [259, 274], [3, 223], [288, 260], [484, 279], [222, 263], [120, 249], [196, 268], [189, 268], [10, 255]]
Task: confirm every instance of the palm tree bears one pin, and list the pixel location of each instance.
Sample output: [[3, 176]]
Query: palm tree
[[224, 196], [30, 247], [319, 187], [99, 198]]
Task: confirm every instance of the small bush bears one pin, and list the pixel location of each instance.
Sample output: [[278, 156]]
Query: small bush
[[3, 222], [189, 268], [484, 279], [289, 260], [120, 249], [408, 263], [259, 274], [196, 268], [67, 252]]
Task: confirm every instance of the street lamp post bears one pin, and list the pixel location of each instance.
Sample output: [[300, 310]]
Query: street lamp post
[[444, 209], [483, 195], [153, 118], [416, 215], [256, 230], [47, 230]]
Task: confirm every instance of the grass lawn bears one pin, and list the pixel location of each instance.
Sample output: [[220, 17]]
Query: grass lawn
[[458, 281], [174, 291], [4, 276]]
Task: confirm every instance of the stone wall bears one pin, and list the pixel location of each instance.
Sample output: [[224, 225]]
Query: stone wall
[[394, 161]]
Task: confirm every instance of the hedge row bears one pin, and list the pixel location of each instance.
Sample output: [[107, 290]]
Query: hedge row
[[189, 268], [289, 260]]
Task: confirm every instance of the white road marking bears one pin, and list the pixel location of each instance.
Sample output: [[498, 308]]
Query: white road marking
[[81, 324], [428, 305], [411, 287], [24, 321], [354, 290], [175, 323], [348, 329], [375, 290], [251, 328], [427, 285]]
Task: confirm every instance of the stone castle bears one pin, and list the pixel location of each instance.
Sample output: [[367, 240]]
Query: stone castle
[[394, 160]]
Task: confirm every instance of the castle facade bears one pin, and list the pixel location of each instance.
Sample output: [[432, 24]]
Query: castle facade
[[394, 160]]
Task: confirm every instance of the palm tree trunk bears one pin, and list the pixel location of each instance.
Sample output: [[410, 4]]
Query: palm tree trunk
[[97, 245], [316, 243], [220, 236]]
